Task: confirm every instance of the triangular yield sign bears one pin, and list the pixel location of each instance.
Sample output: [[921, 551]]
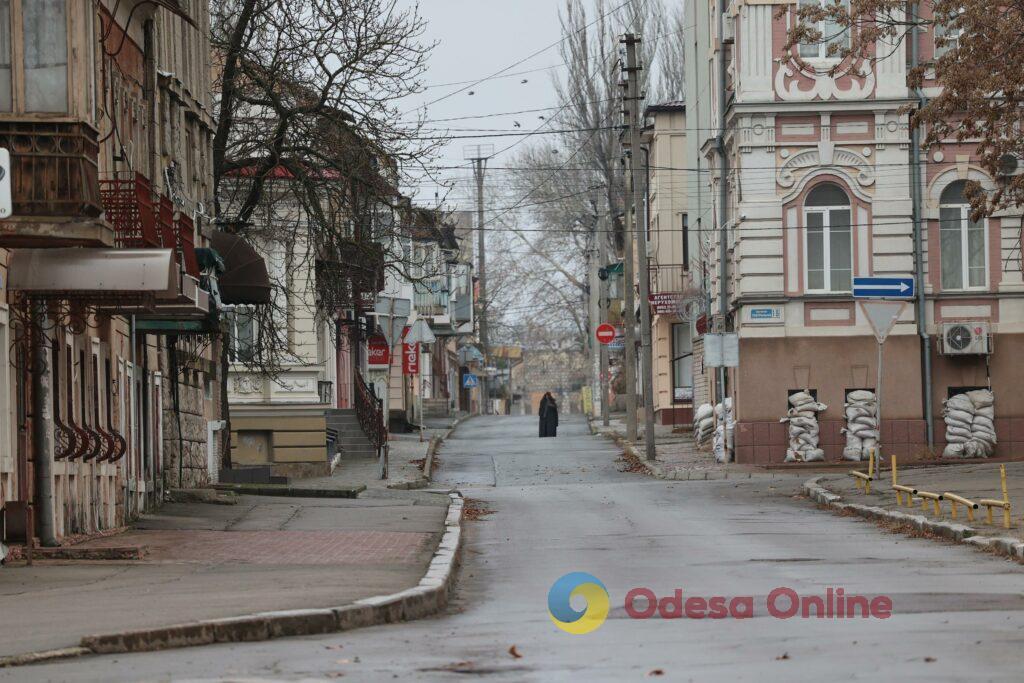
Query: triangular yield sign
[[882, 315]]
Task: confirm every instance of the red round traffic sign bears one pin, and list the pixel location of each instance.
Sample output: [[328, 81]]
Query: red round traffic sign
[[605, 333]]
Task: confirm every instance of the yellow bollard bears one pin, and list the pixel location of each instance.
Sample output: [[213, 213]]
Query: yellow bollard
[[934, 497]]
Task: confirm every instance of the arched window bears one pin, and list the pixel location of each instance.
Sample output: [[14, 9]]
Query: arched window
[[829, 240], [961, 241]]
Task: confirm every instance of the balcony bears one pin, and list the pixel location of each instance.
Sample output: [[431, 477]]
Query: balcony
[[668, 279], [430, 299], [142, 221], [54, 186]]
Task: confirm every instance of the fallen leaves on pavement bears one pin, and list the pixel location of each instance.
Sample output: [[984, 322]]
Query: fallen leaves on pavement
[[514, 652], [473, 509]]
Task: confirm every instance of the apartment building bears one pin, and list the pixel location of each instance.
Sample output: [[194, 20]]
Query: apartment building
[[805, 167], [108, 314]]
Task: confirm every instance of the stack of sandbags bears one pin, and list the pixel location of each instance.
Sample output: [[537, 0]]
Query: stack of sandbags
[[803, 428], [703, 423], [724, 431], [970, 425], [861, 424]]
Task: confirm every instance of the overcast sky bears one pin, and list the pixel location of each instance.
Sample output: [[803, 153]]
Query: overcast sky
[[476, 39]]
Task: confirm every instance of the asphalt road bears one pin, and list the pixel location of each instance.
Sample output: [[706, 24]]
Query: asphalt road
[[560, 505]]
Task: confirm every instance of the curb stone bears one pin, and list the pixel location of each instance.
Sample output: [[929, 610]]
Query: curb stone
[[428, 597], [424, 480], [1006, 546]]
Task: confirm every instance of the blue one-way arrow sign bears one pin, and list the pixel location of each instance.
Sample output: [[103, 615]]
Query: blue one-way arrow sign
[[883, 288]]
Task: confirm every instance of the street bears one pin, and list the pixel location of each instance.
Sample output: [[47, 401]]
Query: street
[[561, 505]]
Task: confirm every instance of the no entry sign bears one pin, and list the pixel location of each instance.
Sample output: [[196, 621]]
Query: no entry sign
[[605, 333]]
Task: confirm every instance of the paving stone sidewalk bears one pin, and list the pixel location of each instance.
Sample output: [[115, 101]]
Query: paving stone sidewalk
[[405, 462], [206, 561], [677, 456], [973, 481]]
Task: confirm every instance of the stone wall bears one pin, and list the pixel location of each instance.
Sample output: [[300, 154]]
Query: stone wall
[[193, 467]]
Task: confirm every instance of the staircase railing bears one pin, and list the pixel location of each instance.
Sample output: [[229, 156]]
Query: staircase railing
[[370, 412]]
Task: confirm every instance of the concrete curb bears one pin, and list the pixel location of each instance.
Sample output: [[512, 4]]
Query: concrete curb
[[424, 480], [951, 531], [289, 491], [426, 598]]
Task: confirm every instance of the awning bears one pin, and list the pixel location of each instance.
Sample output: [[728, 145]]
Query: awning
[[99, 273], [245, 279]]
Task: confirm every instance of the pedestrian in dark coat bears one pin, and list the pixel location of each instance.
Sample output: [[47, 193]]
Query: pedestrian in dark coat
[[548, 416]]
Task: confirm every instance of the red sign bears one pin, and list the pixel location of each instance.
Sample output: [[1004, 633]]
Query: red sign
[[410, 356], [605, 333], [377, 351]]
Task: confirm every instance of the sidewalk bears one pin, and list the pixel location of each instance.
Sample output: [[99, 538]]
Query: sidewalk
[[405, 463], [204, 561], [973, 481], [677, 456]]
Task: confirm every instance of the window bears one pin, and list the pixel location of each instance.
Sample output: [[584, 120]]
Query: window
[[829, 240], [241, 329], [961, 241], [832, 33], [46, 55], [682, 363], [6, 50], [946, 37], [686, 241]]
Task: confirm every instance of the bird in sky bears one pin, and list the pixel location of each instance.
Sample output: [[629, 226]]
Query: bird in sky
[[525, 80], [541, 118], [472, 92], [516, 124]]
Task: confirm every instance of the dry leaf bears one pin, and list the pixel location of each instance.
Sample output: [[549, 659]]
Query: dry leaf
[[333, 647], [784, 655], [656, 672], [929, 659], [514, 652]]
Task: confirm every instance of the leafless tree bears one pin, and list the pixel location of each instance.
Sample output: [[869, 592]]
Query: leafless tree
[[310, 147]]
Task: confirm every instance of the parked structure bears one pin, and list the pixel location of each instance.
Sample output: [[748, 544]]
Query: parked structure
[[808, 171]]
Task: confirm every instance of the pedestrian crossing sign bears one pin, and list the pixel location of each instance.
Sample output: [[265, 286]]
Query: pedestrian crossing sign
[[470, 381]]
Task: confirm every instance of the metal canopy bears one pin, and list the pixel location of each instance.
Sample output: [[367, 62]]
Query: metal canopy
[[245, 279], [81, 272]]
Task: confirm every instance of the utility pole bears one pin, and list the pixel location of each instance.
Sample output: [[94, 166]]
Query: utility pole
[[479, 154], [628, 275], [602, 303], [633, 96], [594, 315]]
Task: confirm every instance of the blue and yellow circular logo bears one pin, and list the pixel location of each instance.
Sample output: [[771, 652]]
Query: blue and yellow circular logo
[[560, 608]]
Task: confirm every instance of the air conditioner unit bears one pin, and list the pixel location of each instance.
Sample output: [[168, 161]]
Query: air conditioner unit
[[1010, 165], [966, 339]]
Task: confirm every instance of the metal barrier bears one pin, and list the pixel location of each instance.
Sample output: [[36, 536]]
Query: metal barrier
[[900, 489], [864, 479], [955, 500], [992, 503]]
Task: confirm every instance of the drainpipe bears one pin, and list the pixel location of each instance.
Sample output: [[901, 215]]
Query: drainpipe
[[723, 193], [915, 194]]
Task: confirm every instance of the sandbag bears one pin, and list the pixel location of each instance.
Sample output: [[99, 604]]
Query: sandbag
[[970, 425]]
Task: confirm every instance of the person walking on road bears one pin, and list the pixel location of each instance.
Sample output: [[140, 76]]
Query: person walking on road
[[548, 416]]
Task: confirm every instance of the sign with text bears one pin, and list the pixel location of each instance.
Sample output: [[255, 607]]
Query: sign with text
[[763, 315], [666, 303], [377, 352], [410, 356]]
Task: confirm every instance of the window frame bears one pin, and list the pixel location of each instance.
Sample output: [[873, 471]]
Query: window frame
[[826, 232], [965, 267], [17, 59], [952, 35], [674, 359], [821, 54]]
